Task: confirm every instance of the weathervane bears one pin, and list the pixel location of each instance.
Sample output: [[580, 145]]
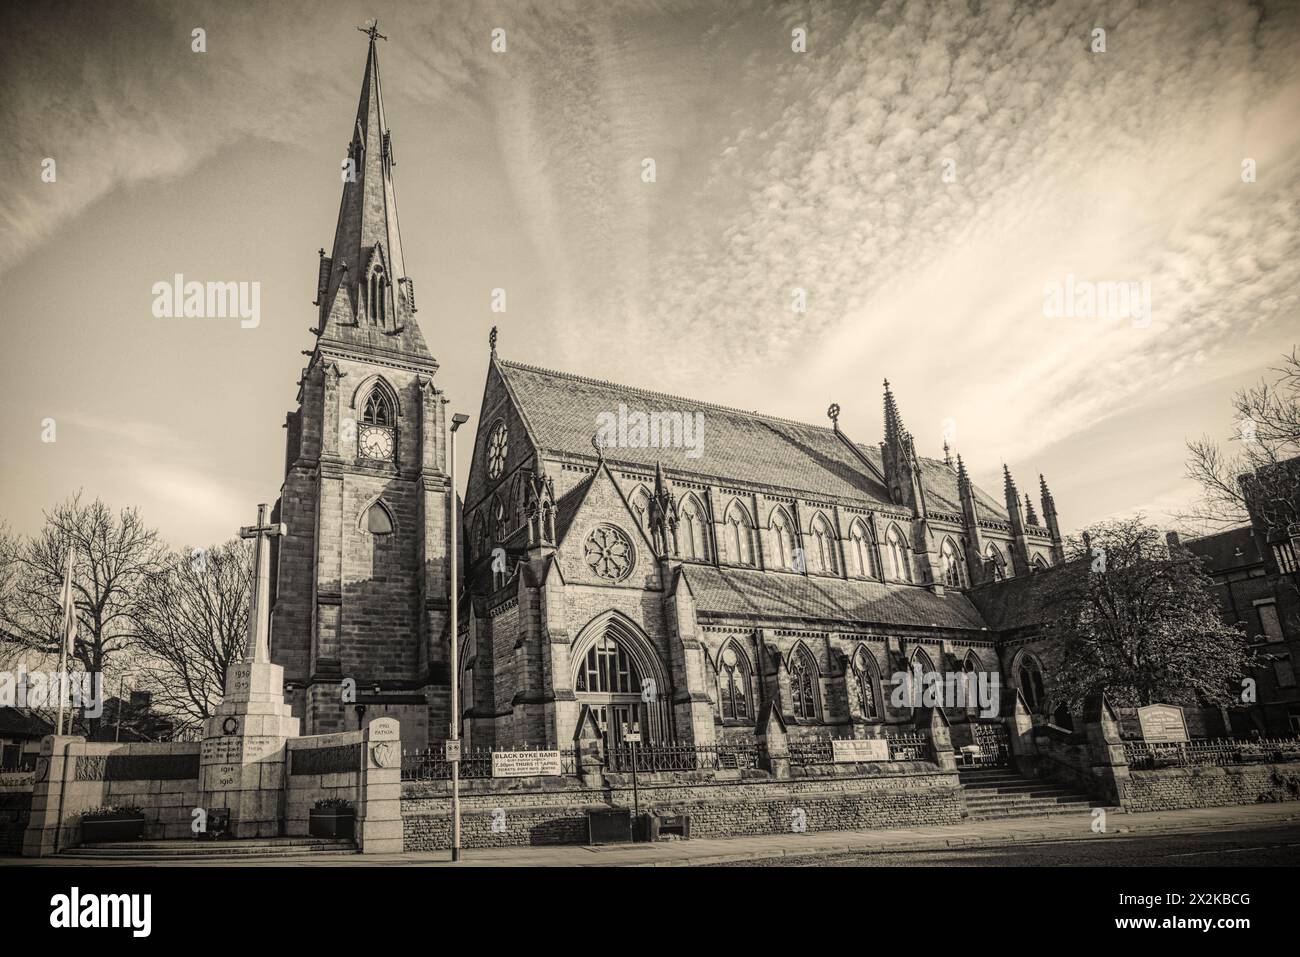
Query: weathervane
[[371, 29]]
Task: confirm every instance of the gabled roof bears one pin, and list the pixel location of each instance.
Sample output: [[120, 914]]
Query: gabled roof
[[1014, 602], [1228, 550], [564, 411], [746, 592], [20, 723]]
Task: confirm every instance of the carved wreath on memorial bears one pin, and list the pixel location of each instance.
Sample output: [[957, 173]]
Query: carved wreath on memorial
[[609, 553]]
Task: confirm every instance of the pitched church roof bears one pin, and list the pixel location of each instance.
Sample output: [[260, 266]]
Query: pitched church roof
[[749, 592], [564, 411], [367, 236]]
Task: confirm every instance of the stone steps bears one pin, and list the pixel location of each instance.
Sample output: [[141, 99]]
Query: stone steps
[[208, 850], [998, 793]]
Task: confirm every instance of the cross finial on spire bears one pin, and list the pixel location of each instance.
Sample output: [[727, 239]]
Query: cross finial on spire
[[834, 414], [371, 29]]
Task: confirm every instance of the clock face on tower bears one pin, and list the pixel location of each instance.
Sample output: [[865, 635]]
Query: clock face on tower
[[496, 454], [375, 442]]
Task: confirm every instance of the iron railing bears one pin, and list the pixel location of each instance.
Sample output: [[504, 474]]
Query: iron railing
[[909, 746], [431, 764], [1219, 752], [912, 746], [679, 756]]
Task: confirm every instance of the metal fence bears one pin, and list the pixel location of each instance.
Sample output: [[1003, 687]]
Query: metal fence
[[431, 764], [909, 746], [678, 756], [1220, 752]]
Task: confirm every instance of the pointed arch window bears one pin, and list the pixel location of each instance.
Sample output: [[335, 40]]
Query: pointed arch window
[[1040, 563], [608, 669], [733, 684], [500, 524], [740, 536], [861, 558], [378, 520], [899, 560], [1030, 680], [377, 435], [693, 539], [951, 566], [999, 564], [782, 540], [864, 669], [377, 295], [640, 503], [824, 543], [803, 684]]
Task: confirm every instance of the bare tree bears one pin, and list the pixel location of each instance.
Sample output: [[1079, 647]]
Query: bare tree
[[191, 624], [115, 554], [1259, 473]]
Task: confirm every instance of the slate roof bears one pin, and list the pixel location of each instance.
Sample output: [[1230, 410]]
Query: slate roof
[[1013, 602], [563, 412], [1235, 548], [749, 592], [17, 723]]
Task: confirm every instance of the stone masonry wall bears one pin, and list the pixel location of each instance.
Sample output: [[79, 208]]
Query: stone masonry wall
[[556, 813], [15, 810], [1168, 789]]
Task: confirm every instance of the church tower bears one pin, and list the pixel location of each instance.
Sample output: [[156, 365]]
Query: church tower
[[361, 577]]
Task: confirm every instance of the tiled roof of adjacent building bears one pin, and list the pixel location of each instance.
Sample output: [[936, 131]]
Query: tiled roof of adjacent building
[[1234, 548], [1013, 602], [20, 723], [748, 592], [564, 412]]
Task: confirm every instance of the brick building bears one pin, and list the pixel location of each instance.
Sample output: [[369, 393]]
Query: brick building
[[677, 582], [1256, 581]]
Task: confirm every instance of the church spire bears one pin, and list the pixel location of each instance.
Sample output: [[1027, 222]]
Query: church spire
[[368, 300], [893, 421]]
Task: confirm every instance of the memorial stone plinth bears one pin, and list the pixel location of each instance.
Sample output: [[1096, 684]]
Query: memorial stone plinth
[[241, 764], [242, 761]]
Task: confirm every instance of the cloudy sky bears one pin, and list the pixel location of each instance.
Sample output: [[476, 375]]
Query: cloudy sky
[[922, 172]]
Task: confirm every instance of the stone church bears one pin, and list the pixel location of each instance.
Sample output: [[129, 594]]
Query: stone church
[[679, 590]]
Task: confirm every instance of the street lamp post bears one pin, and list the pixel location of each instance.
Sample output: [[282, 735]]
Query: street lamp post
[[457, 421]]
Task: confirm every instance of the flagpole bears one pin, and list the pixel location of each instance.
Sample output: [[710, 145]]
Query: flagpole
[[69, 627]]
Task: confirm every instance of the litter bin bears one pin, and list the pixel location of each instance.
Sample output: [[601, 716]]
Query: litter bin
[[678, 825]]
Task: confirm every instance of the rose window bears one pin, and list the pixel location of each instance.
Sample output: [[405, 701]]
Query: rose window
[[609, 553]]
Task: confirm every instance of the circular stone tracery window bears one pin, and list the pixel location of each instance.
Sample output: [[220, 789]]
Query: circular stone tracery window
[[609, 553]]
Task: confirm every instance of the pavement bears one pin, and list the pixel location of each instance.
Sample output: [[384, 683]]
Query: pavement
[[1068, 827]]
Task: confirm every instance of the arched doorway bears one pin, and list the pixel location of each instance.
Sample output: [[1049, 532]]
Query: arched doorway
[[618, 681]]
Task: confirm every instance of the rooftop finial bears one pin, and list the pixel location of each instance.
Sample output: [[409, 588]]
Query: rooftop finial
[[492, 340], [947, 454], [833, 413], [371, 29], [596, 442]]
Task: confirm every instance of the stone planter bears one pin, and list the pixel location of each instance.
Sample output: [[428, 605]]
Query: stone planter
[[332, 822], [103, 830]]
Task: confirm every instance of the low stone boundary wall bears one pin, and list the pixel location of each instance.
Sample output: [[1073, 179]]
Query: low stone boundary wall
[[322, 766], [1171, 789], [15, 810], [554, 810]]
